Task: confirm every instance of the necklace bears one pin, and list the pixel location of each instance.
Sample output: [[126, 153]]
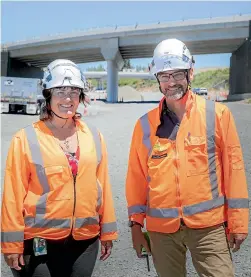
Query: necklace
[[66, 141]]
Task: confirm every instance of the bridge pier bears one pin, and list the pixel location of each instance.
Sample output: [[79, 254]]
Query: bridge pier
[[4, 63], [112, 82], [240, 71], [100, 84], [115, 62]]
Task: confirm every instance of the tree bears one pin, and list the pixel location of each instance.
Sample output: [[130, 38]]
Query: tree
[[127, 64], [141, 68], [99, 68]]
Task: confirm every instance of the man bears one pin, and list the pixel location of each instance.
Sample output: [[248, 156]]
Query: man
[[186, 175]]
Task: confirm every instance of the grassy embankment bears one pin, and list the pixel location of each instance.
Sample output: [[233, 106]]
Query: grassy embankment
[[207, 79]]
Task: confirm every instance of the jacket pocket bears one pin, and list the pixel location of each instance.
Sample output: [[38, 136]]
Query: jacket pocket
[[58, 179], [196, 156], [235, 157]]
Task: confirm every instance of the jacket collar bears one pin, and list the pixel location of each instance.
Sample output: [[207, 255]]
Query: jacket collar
[[162, 105], [81, 126]]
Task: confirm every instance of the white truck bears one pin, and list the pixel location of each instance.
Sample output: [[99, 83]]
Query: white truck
[[21, 94]]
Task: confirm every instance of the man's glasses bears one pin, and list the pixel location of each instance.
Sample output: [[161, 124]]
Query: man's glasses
[[63, 92], [177, 76]]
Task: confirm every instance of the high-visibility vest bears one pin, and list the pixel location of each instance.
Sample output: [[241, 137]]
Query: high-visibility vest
[[196, 174], [40, 197]]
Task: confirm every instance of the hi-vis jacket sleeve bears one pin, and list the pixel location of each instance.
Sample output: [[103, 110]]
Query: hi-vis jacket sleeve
[[15, 189], [234, 177], [106, 211], [136, 181]]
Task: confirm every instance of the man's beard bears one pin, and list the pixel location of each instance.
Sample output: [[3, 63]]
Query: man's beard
[[175, 93]]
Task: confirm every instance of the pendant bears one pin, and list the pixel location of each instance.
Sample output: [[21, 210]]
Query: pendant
[[66, 143]]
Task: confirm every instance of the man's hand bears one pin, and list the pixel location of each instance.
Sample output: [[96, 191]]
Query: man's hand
[[235, 241], [139, 241], [13, 260], [106, 249]]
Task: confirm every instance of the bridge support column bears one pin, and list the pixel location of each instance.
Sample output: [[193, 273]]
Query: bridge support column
[[240, 71], [4, 63], [112, 82], [100, 84], [115, 62]]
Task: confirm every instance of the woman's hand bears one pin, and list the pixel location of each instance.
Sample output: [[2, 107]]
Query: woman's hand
[[106, 249], [13, 260]]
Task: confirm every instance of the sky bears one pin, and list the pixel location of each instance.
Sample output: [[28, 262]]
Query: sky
[[28, 19]]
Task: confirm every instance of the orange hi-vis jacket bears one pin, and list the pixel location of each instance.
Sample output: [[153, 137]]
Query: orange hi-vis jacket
[[196, 174], [40, 196]]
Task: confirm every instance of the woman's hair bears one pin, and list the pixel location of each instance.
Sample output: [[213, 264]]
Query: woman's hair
[[46, 112]]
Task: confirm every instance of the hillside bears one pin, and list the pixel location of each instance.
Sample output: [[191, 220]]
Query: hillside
[[210, 79]]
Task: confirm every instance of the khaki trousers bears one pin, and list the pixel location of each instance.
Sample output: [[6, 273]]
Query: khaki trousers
[[208, 246]]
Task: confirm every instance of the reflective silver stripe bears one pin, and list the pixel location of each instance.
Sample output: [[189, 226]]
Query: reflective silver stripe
[[41, 222], [163, 212], [146, 133], [137, 209], [204, 206], [147, 142], [210, 125], [96, 138], [99, 200], [238, 203], [39, 164], [14, 236], [108, 227], [81, 222]]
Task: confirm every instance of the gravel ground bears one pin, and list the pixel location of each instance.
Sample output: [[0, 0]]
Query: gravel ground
[[116, 122]]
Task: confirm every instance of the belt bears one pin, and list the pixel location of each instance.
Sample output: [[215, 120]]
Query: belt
[[182, 223]]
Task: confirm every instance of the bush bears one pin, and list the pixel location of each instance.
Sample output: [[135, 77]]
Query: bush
[[209, 79]]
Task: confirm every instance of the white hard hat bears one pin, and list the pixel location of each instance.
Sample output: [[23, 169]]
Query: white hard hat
[[63, 73], [170, 54]]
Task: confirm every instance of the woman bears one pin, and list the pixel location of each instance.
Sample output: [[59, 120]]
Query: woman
[[57, 202]]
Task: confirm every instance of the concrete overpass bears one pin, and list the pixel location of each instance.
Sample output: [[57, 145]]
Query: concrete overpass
[[202, 36], [100, 76], [121, 75]]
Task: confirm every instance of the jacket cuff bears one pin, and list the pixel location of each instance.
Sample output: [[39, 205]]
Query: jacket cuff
[[16, 250], [138, 218], [109, 236]]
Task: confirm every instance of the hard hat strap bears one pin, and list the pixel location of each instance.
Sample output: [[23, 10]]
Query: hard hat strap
[[58, 115]]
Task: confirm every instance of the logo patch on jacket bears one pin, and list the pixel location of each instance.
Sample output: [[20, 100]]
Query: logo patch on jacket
[[159, 156], [159, 147]]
